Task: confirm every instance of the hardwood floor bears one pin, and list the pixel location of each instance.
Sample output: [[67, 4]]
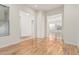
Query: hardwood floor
[[40, 47], [71, 49], [10, 50]]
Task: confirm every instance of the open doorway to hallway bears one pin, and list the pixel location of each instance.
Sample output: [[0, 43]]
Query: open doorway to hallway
[[54, 26]]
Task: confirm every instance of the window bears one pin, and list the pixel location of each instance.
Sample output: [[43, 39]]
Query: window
[[4, 20]]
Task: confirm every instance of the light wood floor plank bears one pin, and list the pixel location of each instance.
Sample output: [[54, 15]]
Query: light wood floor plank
[[43, 47]]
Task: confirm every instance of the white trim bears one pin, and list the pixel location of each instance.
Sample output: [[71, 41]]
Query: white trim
[[12, 43]]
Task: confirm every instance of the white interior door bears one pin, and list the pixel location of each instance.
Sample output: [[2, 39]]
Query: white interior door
[[26, 24]]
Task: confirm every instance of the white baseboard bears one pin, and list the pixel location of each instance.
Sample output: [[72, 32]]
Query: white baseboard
[[9, 44]]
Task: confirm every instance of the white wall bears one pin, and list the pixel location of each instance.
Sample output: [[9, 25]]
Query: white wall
[[40, 24], [14, 36], [56, 11], [78, 23], [71, 24]]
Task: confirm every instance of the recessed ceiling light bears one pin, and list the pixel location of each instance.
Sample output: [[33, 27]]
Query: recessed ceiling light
[[27, 14], [35, 6]]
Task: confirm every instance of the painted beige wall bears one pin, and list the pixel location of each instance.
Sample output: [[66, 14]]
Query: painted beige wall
[[71, 24], [14, 36]]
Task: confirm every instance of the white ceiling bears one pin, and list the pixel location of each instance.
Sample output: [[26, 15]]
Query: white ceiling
[[44, 7]]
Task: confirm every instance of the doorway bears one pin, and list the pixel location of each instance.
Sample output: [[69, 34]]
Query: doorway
[[54, 26]]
